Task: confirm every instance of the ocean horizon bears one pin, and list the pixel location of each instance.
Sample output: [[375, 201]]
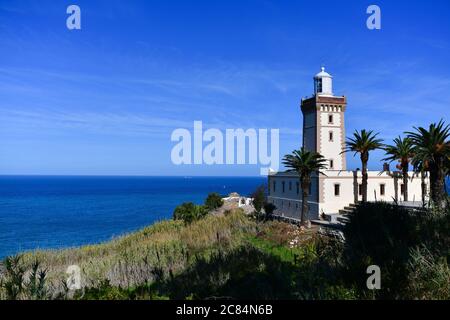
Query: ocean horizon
[[53, 212]]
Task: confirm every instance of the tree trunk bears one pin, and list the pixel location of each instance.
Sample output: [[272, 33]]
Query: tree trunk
[[437, 180], [423, 186], [364, 160], [396, 187], [405, 183], [305, 206], [355, 187]]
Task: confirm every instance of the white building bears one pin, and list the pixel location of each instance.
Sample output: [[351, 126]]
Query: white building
[[324, 132]]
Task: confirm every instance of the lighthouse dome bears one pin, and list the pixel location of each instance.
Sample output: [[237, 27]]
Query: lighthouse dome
[[323, 74], [323, 83]]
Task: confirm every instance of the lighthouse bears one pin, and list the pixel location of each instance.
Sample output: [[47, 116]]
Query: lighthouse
[[337, 188], [324, 122]]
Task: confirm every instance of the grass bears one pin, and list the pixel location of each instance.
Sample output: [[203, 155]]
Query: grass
[[220, 255], [131, 260], [234, 256], [283, 253]]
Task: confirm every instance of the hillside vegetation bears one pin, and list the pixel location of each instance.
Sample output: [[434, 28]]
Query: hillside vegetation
[[233, 255]]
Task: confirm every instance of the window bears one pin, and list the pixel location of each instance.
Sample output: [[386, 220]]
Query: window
[[274, 186], [331, 164], [298, 187], [337, 190], [319, 85], [402, 189], [382, 189], [330, 118], [360, 189], [290, 185], [283, 185], [309, 189], [330, 136]]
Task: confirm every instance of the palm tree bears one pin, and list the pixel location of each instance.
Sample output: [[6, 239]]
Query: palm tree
[[401, 150], [433, 148], [363, 142], [305, 163]]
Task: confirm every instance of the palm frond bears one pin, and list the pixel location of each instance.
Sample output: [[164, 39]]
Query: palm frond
[[304, 162], [362, 142]]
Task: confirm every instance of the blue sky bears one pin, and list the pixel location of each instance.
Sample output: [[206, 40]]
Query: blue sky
[[104, 100]]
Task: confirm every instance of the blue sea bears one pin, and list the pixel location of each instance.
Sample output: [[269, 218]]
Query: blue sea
[[38, 212]]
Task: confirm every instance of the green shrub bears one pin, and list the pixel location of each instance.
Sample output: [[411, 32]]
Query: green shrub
[[429, 276], [243, 273], [22, 283], [189, 212], [213, 201], [269, 208], [259, 198], [388, 236]]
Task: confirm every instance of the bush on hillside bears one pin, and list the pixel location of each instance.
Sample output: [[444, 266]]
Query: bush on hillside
[[20, 282], [259, 198], [269, 208], [428, 276], [189, 212], [213, 201], [389, 236]]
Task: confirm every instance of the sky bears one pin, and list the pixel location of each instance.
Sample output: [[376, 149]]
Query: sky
[[104, 100]]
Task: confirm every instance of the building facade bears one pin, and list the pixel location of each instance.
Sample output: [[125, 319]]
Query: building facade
[[324, 132]]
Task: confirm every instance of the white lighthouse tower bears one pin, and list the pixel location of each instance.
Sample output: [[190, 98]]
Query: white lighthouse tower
[[323, 122]]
